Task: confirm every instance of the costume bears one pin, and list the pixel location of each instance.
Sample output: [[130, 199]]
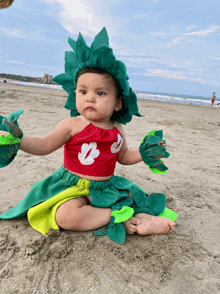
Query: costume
[[44, 198], [93, 151], [112, 193], [47, 195]]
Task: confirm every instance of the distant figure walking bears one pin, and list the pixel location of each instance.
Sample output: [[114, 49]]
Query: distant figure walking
[[213, 99]]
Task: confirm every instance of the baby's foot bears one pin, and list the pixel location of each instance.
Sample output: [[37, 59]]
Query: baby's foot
[[153, 224], [131, 225]]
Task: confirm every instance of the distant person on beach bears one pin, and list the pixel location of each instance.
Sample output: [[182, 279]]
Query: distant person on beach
[[5, 3], [213, 99], [84, 194]]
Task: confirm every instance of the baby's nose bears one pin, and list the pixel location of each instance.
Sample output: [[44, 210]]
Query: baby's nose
[[91, 97]]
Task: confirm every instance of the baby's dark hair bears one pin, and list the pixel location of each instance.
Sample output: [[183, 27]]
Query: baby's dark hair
[[104, 72]]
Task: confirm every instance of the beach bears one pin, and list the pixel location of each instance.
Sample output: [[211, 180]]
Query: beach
[[185, 261]]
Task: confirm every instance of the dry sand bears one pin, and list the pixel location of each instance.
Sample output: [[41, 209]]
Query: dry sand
[[186, 261]]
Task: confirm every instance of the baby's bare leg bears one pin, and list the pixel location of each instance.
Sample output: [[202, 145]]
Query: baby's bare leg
[[77, 215], [153, 224]]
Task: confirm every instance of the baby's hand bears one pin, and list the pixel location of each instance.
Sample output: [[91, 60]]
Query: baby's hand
[[3, 133], [15, 131], [161, 143]]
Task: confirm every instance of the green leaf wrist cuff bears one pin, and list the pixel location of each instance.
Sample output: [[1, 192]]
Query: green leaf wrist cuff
[[152, 152]]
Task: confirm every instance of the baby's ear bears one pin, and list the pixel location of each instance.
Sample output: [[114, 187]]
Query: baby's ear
[[118, 103]]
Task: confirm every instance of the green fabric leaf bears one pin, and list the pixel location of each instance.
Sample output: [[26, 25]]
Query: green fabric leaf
[[123, 214], [72, 43], [63, 78], [168, 213], [100, 39], [8, 140], [83, 52], [104, 57], [71, 62]]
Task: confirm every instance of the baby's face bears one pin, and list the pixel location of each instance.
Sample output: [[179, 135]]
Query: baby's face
[[96, 97]]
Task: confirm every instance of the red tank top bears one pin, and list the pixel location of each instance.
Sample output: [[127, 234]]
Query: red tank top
[[93, 151]]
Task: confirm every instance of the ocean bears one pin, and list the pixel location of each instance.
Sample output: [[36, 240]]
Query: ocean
[[176, 98]]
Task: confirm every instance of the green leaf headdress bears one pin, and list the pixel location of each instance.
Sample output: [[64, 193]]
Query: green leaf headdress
[[98, 55]]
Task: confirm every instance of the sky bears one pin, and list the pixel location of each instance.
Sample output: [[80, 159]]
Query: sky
[[169, 46]]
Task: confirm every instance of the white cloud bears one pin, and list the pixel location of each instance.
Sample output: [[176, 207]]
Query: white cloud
[[12, 32], [76, 16], [162, 35], [166, 74], [178, 37], [189, 28], [29, 65], [185, 36], [215, 58], [137, 59], [176, 41], [173, 75], [133, 17], [13, 61], [203, 32], [26, 33]]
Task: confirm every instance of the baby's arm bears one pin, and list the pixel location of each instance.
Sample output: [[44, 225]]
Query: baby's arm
[[126, 156], [49, 143]]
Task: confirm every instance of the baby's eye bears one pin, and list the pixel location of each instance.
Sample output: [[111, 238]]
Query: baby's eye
[[83, 91], [100, 93]]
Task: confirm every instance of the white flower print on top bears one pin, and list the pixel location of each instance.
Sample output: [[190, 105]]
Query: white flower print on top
[[88, 153], [117, 145]]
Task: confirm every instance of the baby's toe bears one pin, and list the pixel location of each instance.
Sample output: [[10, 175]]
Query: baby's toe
[[135, 221]]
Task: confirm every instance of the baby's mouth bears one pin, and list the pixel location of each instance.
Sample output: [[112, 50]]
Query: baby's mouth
[[90, 107]]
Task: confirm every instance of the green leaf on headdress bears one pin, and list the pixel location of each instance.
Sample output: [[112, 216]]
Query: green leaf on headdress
[[70, 103], [69, 88], [72, 44], [121, 66], [104, 57], [83, 52], [63, 79], [100, 39], [71, 61]]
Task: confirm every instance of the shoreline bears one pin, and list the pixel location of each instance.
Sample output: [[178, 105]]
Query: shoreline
[[206, 103]]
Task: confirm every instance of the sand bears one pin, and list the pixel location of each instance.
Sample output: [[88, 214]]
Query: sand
[[185, 261]]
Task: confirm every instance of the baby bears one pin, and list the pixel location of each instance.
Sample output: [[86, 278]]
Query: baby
[[93, 140]]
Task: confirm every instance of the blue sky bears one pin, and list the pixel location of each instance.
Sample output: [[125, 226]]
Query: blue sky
[[169, 46]]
